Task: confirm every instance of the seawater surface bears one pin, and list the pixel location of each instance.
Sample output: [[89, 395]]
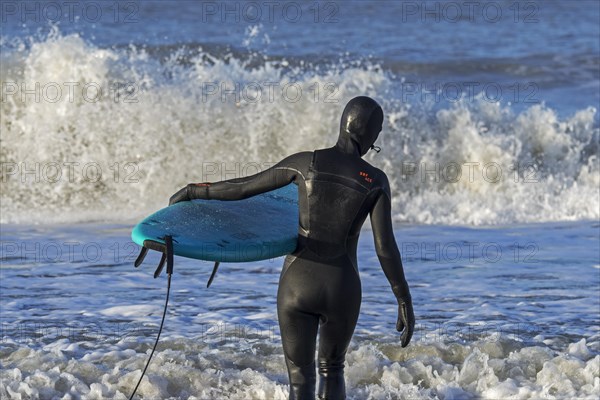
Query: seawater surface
[[502, 312]]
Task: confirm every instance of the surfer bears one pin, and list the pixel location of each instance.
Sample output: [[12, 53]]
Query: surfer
[[319, 287]]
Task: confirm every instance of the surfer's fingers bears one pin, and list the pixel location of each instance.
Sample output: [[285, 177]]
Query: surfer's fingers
[[399, 324], [181, 195], [406, 321], [406, 335]]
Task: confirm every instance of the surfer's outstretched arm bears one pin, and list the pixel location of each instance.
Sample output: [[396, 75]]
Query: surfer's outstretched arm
[[281, 174], [391, 262]]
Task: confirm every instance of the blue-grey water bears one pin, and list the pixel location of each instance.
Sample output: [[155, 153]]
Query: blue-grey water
[[502, 313]]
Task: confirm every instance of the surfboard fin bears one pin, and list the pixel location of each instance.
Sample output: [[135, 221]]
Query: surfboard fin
[[167, 254], [161, 265], [214, 272], [140, 259]]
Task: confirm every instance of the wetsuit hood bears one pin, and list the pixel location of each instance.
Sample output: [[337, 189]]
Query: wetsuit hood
[[360, 125]]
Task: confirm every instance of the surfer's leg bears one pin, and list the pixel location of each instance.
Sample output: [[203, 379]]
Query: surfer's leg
[[299, 343], [298, 335], [335, 333]]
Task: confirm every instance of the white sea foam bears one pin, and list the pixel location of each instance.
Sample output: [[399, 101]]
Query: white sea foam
[[444, 165], [186, 368]]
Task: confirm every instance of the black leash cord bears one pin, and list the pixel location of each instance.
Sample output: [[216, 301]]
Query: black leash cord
[[157, 337]]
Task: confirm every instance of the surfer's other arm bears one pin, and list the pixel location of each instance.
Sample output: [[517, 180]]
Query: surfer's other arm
[[391, 262], [281, 174]]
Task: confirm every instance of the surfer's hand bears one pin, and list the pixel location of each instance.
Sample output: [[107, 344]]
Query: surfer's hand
[[406, 320], [181, 195], [191, 192]]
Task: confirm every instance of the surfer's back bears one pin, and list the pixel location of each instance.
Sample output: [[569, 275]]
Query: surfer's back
[[339, 191]]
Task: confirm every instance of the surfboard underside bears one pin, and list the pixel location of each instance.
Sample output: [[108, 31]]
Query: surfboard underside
[[258, 228]]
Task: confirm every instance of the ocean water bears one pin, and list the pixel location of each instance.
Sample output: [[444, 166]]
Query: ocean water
[[491, 143], [506, 312]]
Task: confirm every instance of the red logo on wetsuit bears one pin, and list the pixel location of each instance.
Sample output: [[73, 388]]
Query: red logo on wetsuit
[[366, 176]]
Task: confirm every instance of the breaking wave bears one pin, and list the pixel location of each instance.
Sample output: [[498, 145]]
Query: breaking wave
[[91, 133]]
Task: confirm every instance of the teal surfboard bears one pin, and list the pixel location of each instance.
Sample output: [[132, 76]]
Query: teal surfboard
[[257, 228]]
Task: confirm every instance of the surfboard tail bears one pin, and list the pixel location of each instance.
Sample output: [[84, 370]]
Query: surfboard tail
[[166, 249]]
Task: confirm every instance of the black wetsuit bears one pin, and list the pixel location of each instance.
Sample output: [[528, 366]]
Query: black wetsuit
[[319, 287]]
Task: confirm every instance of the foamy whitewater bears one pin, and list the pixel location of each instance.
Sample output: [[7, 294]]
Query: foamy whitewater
[[106, 149], [496, 198]]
